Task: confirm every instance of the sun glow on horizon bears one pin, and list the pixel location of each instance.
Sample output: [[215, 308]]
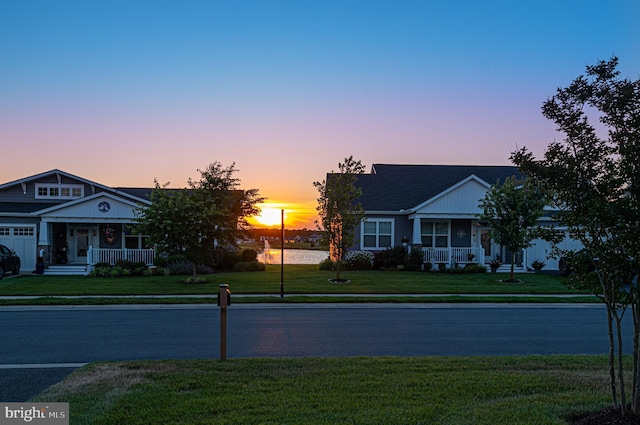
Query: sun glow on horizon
[[296, 215]]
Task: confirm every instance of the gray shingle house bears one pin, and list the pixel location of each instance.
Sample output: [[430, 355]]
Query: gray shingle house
[[435, 208], [70, 221]]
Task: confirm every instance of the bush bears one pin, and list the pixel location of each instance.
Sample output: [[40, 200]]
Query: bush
[[327, 264], [415, 259], [391, 258], [160, 261], [249, 266], [475, 268], [249, 255], [428, 266], [359, 260], [179, 267], [224, 260], [202, 269]]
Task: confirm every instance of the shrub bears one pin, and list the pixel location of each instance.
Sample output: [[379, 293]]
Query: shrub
[[249, 266], [202, 269], [249, 255], [428, 266], [327, 264], [359, 260], [415, 259], [178, 267], [160, 261], [391, 258], [175, 258], [224, 260], [475, 268], [538, 265]]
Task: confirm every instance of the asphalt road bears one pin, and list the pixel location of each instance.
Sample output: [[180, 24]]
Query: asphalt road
[[42, 345]]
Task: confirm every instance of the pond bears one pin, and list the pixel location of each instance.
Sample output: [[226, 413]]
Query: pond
[[293, 256]]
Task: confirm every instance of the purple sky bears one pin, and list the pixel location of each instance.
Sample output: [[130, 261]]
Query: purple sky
[[122, 92]]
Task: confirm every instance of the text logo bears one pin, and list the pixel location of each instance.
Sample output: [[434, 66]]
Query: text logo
[[34, 413]]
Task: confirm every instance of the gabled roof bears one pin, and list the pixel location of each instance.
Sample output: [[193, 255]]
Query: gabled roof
[[127, 192], [51, 173], [392, 187], [85, 199]]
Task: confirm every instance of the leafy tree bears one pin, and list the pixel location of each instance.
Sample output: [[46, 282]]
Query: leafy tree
[[512, 210], [594, 176], [339, 210], [209, 213]]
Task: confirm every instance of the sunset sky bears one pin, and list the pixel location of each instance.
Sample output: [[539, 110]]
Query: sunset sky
[[122, 92]]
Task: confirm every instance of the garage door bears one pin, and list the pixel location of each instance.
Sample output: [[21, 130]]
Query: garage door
[[21, 239]]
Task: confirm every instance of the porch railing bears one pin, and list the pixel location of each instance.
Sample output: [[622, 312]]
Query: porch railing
[[454, 255], [111, 256]]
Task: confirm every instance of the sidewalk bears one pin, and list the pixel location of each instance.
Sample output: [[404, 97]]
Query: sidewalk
[[214, 296]]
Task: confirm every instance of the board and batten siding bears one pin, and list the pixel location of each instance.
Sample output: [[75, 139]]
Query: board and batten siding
[[462, 200]]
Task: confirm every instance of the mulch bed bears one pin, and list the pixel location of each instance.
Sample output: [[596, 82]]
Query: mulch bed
[[608, 416]]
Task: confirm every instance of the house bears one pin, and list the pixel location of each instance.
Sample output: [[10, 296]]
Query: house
[[435, 208], [70, 221]]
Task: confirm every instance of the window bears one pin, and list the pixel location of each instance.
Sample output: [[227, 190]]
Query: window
[[434, 234], [5, 231], [23, 231], [377, 234], [59, 191], [135, 241]]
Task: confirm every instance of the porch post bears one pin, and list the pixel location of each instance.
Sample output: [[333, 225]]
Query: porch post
[[416, 239], [43, 238]]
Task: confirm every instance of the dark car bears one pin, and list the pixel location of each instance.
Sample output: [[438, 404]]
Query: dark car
[[9, 261]]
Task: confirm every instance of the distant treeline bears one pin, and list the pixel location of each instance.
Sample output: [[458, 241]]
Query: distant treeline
[[276, 233]]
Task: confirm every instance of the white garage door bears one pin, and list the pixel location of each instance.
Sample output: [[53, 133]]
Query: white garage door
[[21, 239]]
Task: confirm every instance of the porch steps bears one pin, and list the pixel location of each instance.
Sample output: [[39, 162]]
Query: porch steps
[[66, 270]]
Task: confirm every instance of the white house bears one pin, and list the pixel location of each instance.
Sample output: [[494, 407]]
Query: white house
[[435, 208], [70, 221]]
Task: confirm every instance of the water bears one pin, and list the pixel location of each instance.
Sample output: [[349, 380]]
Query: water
[[293, 256]]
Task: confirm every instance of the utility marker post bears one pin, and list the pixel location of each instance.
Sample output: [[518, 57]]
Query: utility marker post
[[224, 300]]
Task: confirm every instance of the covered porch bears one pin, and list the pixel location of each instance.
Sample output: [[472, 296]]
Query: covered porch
[[460, 240]]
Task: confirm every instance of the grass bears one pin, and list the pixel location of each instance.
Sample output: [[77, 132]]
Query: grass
[[382, 390], [298, 279]]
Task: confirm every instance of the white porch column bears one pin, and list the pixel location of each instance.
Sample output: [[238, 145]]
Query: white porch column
[[43, 239], [416, 239]]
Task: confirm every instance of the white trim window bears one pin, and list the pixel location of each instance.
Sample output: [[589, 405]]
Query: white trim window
[[434, 234], [59, 191], [377, 234]]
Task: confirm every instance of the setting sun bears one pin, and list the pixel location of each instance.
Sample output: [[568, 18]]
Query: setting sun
[[269, 216], [297, 215]]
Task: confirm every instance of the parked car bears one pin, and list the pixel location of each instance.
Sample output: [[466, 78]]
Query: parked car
[[9, 261]]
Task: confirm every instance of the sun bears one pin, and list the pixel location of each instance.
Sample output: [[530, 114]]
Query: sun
[[269, 216]]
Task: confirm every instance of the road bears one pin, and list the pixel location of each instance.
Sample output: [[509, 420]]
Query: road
[[55, 339]]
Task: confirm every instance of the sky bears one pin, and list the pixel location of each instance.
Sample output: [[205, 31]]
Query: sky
[[125, 92]]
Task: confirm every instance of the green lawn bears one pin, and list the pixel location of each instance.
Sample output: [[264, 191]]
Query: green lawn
[[300, 279], [384, 390]]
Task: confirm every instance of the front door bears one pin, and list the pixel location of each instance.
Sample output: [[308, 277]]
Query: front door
[[79, 238], [487, 244]]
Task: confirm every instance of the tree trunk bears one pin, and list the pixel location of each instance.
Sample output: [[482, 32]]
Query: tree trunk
[[194, 271], [512, 275], [635, 401], [338, 267], [612, 370], [623, 398]]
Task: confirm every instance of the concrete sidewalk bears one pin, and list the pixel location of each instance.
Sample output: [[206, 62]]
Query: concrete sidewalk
[[214, 296]]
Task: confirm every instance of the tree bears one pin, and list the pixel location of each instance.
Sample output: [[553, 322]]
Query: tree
[[512, 210], [339, 210], [209, 213], [594, 176]]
